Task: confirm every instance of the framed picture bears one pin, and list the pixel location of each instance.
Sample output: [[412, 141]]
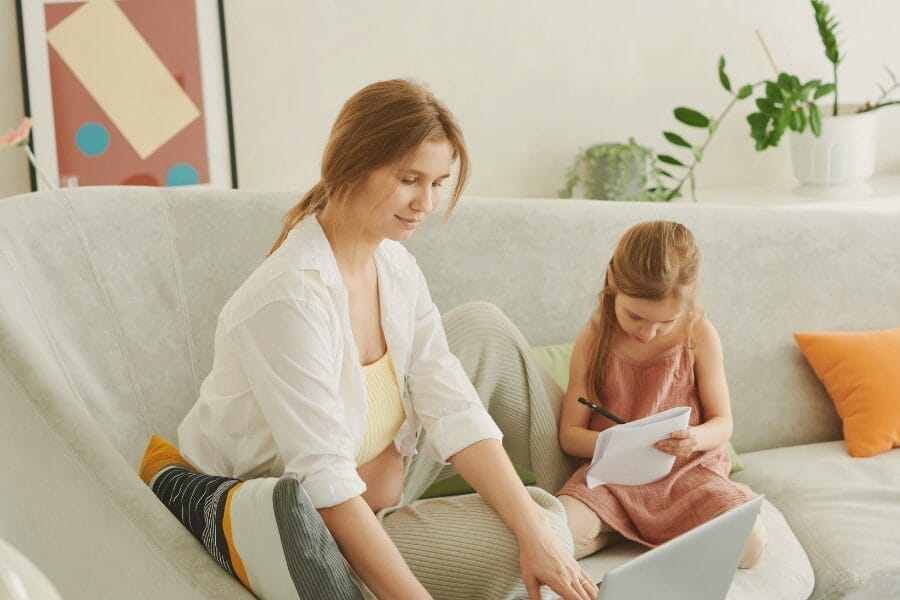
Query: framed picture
[[128, 92]]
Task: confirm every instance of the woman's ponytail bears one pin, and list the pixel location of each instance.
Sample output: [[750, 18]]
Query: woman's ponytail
[[312, 201]]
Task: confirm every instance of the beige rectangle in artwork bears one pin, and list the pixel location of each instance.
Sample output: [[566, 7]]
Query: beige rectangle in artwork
[[123, 75]]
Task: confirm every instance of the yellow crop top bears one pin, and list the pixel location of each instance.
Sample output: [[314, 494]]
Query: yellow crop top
[[386, 414]]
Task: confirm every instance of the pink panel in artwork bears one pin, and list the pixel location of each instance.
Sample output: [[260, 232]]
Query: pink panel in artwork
[[89, 146]]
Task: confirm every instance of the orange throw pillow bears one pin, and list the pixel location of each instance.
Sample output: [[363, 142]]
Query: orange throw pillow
[[861, 371]]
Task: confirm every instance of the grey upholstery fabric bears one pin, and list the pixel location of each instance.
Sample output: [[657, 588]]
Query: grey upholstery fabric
[[845, 511], [109, 297]]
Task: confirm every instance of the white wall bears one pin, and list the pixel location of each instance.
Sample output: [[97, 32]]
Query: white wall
[[532, 82], [13, 163]]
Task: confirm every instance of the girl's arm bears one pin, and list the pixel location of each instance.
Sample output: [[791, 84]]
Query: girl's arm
[[575, 436], [366, 546], [709, 370], [543, 560]]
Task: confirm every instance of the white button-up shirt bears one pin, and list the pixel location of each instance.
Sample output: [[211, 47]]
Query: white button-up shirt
[[286, 393]]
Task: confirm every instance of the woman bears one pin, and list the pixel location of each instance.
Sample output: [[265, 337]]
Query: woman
[[331, 358]]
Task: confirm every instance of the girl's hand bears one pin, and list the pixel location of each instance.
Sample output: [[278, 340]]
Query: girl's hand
[[679, 443], [544, 561]]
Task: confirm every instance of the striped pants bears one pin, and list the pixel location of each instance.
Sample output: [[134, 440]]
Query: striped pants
[[457, 546]]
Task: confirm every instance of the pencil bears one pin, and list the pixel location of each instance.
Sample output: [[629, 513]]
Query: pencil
[[600, 411]]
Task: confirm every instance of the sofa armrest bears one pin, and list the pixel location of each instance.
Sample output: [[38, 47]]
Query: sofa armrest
[[73, 505]]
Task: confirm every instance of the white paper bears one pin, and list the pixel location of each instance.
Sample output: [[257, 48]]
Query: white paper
[[625, 455]]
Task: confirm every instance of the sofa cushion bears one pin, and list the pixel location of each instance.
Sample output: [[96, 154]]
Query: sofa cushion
[[844, 510], [859, 370], [783, 573], [264, 532]]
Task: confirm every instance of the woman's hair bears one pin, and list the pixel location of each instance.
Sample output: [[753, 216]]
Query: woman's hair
[[380, 124], [653, 260]]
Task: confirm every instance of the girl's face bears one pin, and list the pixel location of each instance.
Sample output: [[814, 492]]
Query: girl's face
[[644, 320], [395, 199]]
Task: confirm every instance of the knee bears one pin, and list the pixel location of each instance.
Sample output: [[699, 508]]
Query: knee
[[475, 325], [756, 545], [484, 314], [584, 525]]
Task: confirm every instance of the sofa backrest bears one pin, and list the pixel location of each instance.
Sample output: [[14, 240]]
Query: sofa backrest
[[109, 296]]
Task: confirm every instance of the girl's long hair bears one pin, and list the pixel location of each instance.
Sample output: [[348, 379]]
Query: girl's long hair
[[380, 124], [653, 260]]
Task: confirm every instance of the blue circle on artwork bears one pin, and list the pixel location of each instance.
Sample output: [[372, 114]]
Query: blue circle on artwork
[[182, 174], [92, 139]]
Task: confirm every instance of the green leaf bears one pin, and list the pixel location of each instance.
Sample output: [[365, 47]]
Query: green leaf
[[773, 92], [670, 160], [826, 24], [691, 117], [815, 120], [807, 87], [795, 120], [786, 83], [676, 139], [744, 91], [802, 118], [723, 78], [663, 172], [783, 120], [767, 107], [823, 90], [757, 120]]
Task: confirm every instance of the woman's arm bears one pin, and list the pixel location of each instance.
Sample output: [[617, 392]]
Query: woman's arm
[[486, 467], [369, 550], [709, 370], [575, 435]]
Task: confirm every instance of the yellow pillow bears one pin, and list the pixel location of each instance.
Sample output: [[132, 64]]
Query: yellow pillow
[[860, 371]]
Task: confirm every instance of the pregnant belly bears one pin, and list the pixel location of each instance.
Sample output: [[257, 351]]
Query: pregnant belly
[[383, 476]]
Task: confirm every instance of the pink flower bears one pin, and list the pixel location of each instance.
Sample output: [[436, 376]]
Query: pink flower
[[17, 136]]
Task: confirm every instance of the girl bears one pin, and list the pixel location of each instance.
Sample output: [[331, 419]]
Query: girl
[[332, 365], [648, 348]]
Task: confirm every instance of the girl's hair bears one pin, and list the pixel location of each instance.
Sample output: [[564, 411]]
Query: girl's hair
[[653, 260], [380, 124]]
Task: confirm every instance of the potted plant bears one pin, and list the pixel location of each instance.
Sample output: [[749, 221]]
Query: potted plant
[[613, 172], [844, 152], [843, 155]]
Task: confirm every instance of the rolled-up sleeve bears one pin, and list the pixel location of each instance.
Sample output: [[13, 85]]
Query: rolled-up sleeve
[[287, 351], [442, 395]]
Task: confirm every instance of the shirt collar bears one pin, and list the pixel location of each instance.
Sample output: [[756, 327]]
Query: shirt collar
[[308, 248]]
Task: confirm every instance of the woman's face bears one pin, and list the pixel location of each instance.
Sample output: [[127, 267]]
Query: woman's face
[[394, 199], [644, 320]]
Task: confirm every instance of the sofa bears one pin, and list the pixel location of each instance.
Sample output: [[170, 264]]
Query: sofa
[[108, 303]]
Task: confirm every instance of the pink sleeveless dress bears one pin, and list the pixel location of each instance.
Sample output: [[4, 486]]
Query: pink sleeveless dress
[[698, 487]]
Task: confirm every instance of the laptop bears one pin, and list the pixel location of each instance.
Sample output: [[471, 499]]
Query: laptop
[[697, 565]]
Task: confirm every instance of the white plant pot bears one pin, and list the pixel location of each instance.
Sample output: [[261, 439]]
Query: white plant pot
[[843, 154]]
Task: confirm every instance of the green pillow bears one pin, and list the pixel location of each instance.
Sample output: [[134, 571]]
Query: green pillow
[[456, 485], [555, 359]]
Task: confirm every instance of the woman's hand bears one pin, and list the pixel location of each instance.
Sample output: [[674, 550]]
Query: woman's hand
[[680, 443], [544, 561]]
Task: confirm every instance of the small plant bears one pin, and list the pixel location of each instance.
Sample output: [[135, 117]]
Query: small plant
[[786, 102], [614, 172]]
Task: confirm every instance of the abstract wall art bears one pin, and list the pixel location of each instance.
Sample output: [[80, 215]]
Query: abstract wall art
[[128, 92]]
